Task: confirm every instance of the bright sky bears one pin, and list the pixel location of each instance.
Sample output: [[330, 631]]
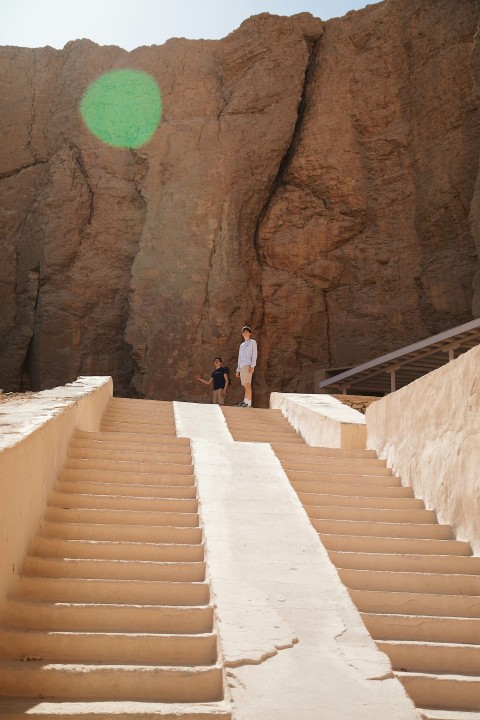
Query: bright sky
[[131, 23]]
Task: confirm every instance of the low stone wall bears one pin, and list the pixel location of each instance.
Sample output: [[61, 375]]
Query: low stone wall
[[357, 402], [35, 431], [429, 434], [322, 420]]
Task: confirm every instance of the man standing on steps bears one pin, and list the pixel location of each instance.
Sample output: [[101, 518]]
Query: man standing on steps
[[247, 359]]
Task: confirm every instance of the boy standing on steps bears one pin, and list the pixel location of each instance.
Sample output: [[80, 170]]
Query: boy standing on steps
[[247, 359], [220, 380]]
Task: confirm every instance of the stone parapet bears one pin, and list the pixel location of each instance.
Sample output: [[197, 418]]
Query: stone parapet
[[322, 420], [35, 432], [429, 434]]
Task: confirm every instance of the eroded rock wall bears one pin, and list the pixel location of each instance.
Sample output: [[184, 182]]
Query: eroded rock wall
[[317, 180]]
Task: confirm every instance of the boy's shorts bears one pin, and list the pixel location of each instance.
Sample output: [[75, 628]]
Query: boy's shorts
[[218, 398], [245, 375]]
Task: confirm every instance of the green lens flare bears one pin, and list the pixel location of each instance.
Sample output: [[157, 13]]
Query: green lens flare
[[123, 108]]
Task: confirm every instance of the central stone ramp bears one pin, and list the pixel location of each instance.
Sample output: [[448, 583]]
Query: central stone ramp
[[113, 603]]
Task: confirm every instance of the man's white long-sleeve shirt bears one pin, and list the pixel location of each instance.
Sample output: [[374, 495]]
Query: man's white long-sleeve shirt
[[247, 354]]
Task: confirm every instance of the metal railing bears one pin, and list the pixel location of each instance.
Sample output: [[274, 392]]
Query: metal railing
[[388, 373]]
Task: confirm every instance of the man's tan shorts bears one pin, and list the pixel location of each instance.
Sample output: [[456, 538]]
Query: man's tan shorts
[[245, 375]]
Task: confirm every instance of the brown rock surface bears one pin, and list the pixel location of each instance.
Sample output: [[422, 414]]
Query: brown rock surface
[[318, 180]]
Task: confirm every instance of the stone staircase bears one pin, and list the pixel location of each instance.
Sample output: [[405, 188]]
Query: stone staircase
[[416, 587], [112, 615], [259, 425]]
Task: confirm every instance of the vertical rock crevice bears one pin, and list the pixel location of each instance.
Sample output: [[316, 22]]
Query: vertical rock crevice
[[29, 379], [33, 112], [286, 160], [474, 212], [131, 367], [84, 174]]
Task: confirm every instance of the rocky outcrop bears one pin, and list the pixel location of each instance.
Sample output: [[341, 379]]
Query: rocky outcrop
[[317, 180]]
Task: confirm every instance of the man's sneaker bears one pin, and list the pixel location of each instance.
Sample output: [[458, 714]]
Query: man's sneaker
[[242, 404]]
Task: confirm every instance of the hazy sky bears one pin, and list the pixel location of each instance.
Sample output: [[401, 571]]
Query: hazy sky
[[130, 23]]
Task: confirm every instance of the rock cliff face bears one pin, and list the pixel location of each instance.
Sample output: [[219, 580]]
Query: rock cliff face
[[316, 180]]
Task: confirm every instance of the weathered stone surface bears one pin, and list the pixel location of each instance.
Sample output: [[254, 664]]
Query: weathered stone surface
[[429, 435], [317, 180]]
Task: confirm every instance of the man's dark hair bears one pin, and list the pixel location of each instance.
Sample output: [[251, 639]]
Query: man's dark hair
[[217, 358]]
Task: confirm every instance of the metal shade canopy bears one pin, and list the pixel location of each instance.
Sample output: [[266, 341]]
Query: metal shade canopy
[[392, 371]]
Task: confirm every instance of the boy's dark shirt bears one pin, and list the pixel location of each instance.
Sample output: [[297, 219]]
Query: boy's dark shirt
[[218, 378]]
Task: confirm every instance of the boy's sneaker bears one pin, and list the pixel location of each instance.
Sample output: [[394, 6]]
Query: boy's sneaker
[[242, 404]]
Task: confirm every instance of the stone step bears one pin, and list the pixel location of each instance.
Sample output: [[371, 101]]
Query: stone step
[[142, 478], [134, 426], [383, 545], [98, 549], [165, 415], [103, 647], [126, 489], [107, 617], [386, 515], [355, 501], [349, 488], [266, 437], [153, 439], [115, 502], [335, 466], [301, 461], [417, 603], [448, 714], [131, 447], [134, 405], [89, 453], [382, 529], [283, 451], [454, 692], [411, 582], [406, 563], [105, 710], [114, 569], [156, 421], [110, 682], [125, 592], [308, 476], [264, 429], [122, 533], [424, 657], [140, 416], [423, 627], [131, 403], [160, 432], [136, 411], [129, 467], [129, 517]]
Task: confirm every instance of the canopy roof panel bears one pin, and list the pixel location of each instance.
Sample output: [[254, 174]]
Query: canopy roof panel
[[396, 369]]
